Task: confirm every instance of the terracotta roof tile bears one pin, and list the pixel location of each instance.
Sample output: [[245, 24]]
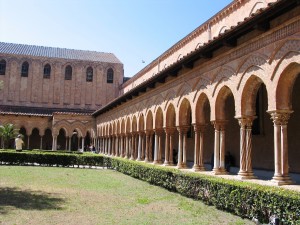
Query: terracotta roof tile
[[39, 111], [63, 53]]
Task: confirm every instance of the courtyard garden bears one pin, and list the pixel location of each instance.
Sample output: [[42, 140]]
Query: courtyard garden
[[55, 195]]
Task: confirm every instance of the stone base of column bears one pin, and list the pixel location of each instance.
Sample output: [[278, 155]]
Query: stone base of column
[[243, 175], [282, 180], [219, 171], [132, 158], [139, 159], [181, 166], [198, 168], [157, 162], [166, 163]]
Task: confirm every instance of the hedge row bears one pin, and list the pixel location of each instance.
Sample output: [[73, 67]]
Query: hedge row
[[49, 158], [241, 198], [244, 199]]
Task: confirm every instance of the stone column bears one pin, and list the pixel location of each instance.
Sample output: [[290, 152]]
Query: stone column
[[28, 138], [179, 164], [280, 119], [122, 145], [41, 143], [66, 147], [143, 146], [104, 145], [155, 161], [147, 146], [246, 147], [184, 149], [54, 142], [201, 149], [78, 143], [219, 148], [126, 146], [82, 143], [111, 145], [160, 143], [70, 139], [198, 151], [150, 156], [117, 146], [172, 132], [139, 158], [132, 146], [167, 147]]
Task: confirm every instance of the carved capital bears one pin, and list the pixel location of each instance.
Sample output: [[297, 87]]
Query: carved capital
[[246, 122], [170, 130], [199, 127], [280, 117], [148, 132], [159, 131], [219, 124], [183, 129]]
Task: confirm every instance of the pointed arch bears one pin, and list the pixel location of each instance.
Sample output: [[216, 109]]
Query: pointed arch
[[223, 94], [170, 116], [285, 85], [249, 93], [149, 120], [141, 122], [185, 113], [201, 104], [159, 118], [134, 124], [128, 128], [123, 126]]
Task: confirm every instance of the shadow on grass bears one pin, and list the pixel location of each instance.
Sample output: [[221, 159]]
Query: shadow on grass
[[27, 200]]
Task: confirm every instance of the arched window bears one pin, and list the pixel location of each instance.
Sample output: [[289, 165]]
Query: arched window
[[47, 71], [89, 74], [24, 69], [110, 76], [2, 67], [68, 73]]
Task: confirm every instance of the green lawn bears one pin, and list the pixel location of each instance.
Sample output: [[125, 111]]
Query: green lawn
[[49, 195]]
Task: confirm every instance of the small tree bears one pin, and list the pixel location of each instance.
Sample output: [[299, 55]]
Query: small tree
[[7, 132]]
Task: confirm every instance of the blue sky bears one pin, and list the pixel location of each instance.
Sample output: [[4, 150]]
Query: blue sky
[[134, 30]]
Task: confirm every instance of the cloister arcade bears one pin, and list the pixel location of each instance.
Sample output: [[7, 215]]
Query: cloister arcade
[[57, 132], [201, 117]]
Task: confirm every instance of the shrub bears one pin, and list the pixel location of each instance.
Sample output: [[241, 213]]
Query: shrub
[[242, 198], [47, 158]]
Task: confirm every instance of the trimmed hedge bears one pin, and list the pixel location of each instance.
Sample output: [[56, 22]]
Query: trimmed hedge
[[49, 158], [242, 198]]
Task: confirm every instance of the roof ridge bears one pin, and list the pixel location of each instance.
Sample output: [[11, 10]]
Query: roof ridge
[[52, 47], [57, 52]]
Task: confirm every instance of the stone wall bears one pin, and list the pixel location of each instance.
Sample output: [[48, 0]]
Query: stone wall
[[56, 92]]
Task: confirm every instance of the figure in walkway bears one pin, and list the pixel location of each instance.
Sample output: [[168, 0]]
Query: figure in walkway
[[19, 143]]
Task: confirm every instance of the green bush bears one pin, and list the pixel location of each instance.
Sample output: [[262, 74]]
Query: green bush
[[242, 198], [49, 158]]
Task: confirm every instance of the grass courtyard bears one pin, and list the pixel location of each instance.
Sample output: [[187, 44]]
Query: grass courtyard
[[50, 195]]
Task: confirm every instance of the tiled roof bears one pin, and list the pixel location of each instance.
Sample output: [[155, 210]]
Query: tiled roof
[[39, 111], [62, 53]]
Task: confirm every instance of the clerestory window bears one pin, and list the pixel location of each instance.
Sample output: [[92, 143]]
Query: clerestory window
[[68, 73], [24, 69], [110, 76], [47, 71], [89, 74]]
